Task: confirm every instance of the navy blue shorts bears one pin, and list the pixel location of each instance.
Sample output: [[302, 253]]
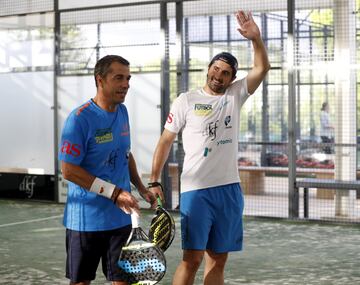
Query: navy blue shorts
[[85, 249], [211, 218]]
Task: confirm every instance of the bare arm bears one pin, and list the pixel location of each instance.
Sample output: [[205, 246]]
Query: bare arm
[[161, 154], [84, 179], [134, 175], [136, 180], [77, 175], [249, 29]]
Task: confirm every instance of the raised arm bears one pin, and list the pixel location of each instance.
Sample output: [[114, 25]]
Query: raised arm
[[249, 29]]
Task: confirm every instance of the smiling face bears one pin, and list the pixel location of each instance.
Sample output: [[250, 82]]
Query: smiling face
[[219, 78], [115, 84]]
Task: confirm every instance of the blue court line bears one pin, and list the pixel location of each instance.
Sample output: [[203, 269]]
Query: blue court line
[[30, 221]]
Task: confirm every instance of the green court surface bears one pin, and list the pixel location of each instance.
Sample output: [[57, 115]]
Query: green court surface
[[32, 250]]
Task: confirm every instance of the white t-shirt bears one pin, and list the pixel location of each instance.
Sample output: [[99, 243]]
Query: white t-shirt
[[210, 127], [325, 125]]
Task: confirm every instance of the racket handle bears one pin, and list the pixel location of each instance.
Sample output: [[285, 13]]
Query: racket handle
[[134, 219], [159, 201]]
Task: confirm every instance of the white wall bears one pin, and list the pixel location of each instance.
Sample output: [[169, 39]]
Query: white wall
[[26, 121]]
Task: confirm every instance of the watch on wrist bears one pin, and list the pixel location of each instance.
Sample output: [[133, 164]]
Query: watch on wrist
[[154, 184], [116, 194]]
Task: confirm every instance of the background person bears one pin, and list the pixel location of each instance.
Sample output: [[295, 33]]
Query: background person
[[326, 128]]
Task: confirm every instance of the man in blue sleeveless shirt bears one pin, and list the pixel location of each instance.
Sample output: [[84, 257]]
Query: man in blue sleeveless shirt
[[96, 160]]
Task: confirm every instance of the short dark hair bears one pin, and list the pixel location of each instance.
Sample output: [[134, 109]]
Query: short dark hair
[[102, 67], [229, 59], [324, 105]]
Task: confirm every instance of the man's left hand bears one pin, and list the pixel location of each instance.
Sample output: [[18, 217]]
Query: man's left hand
[[247, 26], [148, 196]]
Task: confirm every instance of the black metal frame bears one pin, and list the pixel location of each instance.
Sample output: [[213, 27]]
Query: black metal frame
[[331, 184]]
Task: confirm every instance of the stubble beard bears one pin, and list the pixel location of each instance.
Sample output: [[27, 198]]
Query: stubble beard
[[218, 89], [120, 97]]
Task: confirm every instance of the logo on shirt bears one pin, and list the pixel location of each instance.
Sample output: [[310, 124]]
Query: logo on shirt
[[111, 159], [206, 151], [70, 149], [202, 109], [103, 136], [227, 122], [125, 130], [223, 104], [170, 118], [210, 129], [222, 142]]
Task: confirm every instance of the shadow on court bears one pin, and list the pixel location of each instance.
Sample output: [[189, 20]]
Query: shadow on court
[[32, 250]]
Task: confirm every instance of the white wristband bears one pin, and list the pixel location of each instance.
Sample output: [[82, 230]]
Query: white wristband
[[102, 188]]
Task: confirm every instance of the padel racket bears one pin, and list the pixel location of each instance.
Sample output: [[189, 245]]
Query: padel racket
[[162, 227], [141, 261]]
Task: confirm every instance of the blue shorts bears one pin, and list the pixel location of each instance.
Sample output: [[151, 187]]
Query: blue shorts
[[211, 219], [85, 249]]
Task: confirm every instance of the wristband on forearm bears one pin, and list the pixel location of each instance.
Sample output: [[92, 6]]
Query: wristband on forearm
[[102, 188]]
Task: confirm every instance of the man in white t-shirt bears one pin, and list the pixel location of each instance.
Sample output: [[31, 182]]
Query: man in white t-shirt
[[211, 202], [326, 128]]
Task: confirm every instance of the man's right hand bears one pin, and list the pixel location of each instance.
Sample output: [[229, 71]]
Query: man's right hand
[[127, 202]]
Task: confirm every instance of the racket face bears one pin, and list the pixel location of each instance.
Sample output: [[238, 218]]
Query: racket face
[[142, 262], [162, 229]]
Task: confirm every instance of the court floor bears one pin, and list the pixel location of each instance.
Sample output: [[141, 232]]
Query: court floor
[[275, 251]]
